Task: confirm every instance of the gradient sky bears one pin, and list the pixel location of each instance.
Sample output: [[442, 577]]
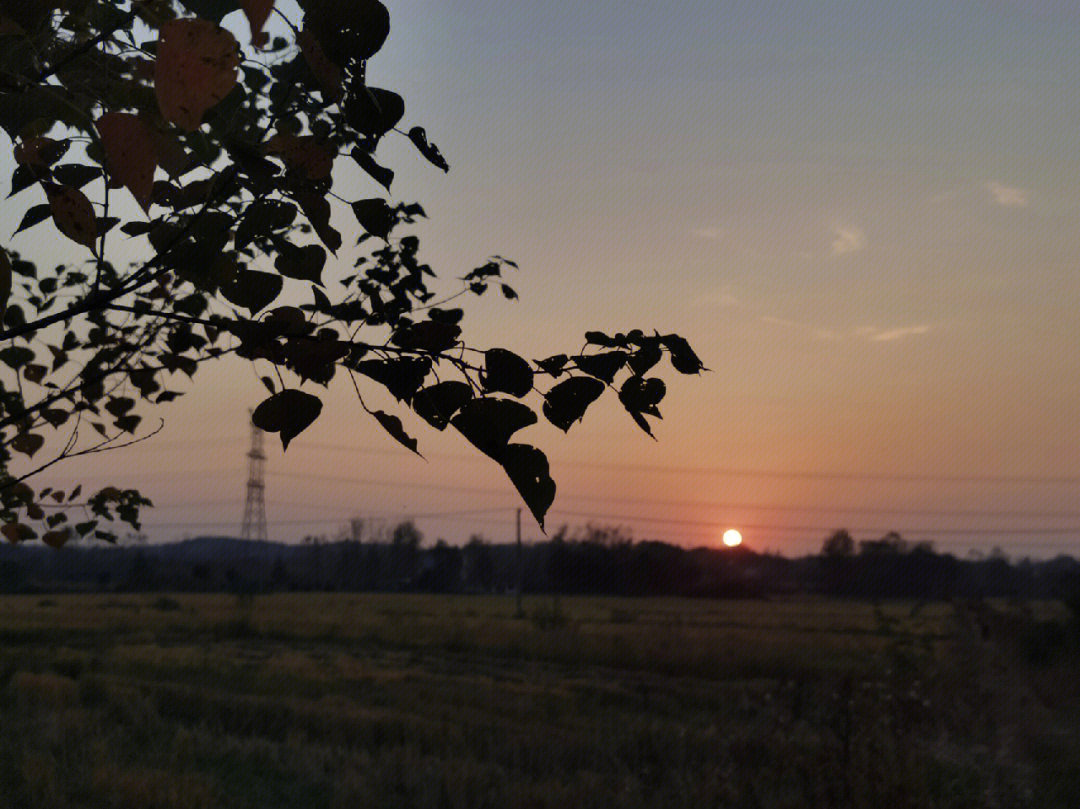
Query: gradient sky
[[864, 216]]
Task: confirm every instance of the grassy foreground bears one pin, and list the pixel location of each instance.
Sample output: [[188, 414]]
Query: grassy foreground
[[343, 700]]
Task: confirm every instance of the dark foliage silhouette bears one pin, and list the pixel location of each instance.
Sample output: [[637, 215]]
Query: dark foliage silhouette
[[232, 152]]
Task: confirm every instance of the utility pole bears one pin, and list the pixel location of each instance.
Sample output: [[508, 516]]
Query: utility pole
[[254, 526], [519, 612]]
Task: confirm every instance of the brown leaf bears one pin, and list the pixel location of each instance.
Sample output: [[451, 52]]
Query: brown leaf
[[39, 151], [196, 67], [130, 150], [306, 154], [57, 538], [73, 214], [16, 532], [257, 11], [326, 72]]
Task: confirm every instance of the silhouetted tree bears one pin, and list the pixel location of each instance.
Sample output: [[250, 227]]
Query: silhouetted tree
[[229, 151]]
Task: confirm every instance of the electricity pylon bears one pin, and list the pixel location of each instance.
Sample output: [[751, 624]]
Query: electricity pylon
[[254, 526]]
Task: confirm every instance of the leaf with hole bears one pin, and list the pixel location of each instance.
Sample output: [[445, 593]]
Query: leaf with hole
[[393, 426], [429, 150], [527, 468], [438, 403], [196, 67], [373, 112], [505, 371], [402, 376], [252, 290], [567, 402], [603, 366], [489, 422], [375, 216], [75, 175]]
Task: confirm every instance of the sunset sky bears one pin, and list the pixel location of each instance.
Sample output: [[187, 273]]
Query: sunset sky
[[864, 216]]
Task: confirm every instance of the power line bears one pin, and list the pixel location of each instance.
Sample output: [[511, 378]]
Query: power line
[[1019, 514], [721, 471]]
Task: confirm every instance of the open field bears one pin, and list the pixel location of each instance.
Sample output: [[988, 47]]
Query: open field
[[343, 700]]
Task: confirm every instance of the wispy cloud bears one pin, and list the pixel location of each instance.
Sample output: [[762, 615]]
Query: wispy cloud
[[721, 299], [847, 239], [1007, 195], [876, 335], [873, 334], [709, 234]]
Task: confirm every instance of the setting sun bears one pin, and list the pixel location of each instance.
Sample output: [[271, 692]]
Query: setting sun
[[732, 538]]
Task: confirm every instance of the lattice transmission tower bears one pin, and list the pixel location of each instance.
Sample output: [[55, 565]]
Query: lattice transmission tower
[[254, 526]]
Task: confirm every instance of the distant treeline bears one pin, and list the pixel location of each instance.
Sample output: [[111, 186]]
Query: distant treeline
[[593, 561]]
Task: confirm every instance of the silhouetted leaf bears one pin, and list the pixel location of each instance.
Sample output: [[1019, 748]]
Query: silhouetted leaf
[[25, 176], [438, 403], [348, 33], [75, 175], [315, 359], [527, 468], [449, 316], [263, 217], [642, 395], [393, 425], [603, 366], [33, 216], [426, 335], [505, 371], [645, 357], [304, 263], [131, 151], [289, 413], [212, 10], [317, 210], [429, 150], [382, 175], [683, 358], [196, 67], [554, 365], [489, 422], [16, 356], [27, 443], [567, 402], [375, 216], [373, 112], [252, 289], [402, 376]]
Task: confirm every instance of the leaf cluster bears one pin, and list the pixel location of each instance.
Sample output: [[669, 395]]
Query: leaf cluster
[[230, 149]]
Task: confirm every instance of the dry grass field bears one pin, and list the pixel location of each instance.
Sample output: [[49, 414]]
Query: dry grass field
[[344, 700]]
